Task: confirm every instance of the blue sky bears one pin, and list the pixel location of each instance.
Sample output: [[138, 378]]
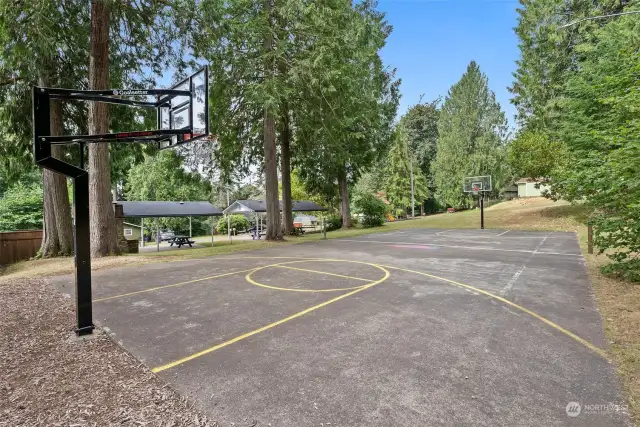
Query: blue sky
[[433, 41]]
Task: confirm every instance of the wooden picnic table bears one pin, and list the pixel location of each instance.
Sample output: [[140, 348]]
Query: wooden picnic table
[[181, 240]]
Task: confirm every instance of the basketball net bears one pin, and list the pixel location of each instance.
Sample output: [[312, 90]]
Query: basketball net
[[475, 190]]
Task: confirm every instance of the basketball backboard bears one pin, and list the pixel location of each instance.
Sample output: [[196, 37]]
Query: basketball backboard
[[182, 113], [477, 184], [187, 113]]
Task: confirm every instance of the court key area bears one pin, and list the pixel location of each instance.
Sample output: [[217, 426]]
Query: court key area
[[409, 328]]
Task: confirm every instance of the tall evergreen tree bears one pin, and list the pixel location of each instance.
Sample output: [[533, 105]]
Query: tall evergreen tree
[[248, 56], [421, 189], [420, 125], [43, 44], [548, 52], [576, 94], [398, 171], [345, 125], [336, 99], [472, 130], [600, 129], [126, 38], [104, 237]]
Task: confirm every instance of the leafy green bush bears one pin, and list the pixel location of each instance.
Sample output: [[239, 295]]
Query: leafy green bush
[[21, 208], [372, 209], [628, 269], [238, 222], [334, 222]]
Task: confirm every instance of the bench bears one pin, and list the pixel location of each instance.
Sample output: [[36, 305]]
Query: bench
[[255, 235]]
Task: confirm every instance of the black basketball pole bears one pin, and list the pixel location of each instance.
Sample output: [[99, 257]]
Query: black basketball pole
[[82, 251], [481, 211], [81, 236]]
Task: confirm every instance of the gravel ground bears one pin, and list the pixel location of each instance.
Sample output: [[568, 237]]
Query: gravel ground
[[50, 378]]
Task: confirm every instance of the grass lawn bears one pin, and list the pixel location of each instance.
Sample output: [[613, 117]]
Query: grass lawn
[[619, 301]]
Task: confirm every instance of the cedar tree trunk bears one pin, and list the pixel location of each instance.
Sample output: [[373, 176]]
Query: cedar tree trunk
[[345, 210], [57, 238], [285, 170], [274, 230], [104, 240]]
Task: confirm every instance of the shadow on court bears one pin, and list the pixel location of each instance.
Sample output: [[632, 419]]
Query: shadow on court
[[420, 327]]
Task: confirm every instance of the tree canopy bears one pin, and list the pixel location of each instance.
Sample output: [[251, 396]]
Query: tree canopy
[[420, 125], [534, 154], [576, 91], [162, 177], [471, 137], [397, 175]]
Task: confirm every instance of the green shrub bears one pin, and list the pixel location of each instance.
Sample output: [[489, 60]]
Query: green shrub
[[238, 222], [21, 208], [627, 269], [334, 222], [372, 209]]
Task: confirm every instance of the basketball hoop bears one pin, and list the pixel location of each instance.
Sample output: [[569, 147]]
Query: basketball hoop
[[182, 116], [478, 186]]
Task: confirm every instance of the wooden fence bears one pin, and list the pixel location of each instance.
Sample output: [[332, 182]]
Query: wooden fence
[[19, 245]]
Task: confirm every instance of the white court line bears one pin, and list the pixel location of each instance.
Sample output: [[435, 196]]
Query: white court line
[[503, 233], [440, 232], [459, 247], [509, 285], [540, 244]]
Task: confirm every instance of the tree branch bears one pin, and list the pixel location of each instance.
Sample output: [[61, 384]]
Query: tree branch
[[10, 80]]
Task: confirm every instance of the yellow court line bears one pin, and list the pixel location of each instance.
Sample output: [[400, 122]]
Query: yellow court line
[[602, 353], [172, 285], [323, 272], [250, 279], [355, 290], [271, 325], [543, 319]]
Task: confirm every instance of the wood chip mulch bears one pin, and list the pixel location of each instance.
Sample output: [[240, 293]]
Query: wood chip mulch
[[50, 378]]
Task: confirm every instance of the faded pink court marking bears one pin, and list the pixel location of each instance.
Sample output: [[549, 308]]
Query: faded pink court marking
[[412, 246]]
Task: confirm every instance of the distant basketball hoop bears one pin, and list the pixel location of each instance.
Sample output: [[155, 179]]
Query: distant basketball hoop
[[478, 186]]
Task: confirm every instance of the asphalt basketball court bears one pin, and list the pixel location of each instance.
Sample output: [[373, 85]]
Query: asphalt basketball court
[[416, 327]]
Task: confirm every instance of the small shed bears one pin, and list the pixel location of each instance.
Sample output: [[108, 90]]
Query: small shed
[[531, 187], [131, 231]]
